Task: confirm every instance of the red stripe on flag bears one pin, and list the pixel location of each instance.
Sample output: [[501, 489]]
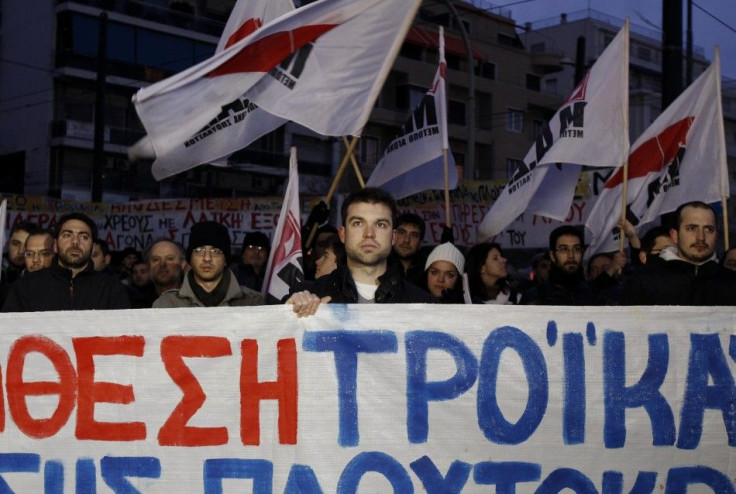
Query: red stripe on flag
[[654, 154], [249, 27], [264, 54]]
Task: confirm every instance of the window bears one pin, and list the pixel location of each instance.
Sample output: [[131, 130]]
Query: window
[[456, 112], [486, 70], [368, 152], [551, 85], [453, 61], [644, 53], [411, 51], [484, 110], [514, 120], [533, 82], [508, 40], [537, 48], [511, 166], [408, 96], [537, 127]]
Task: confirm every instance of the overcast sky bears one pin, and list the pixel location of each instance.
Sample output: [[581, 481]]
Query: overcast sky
[[707, 31]]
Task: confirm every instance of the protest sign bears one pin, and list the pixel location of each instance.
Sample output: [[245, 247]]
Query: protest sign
[[366, 398]]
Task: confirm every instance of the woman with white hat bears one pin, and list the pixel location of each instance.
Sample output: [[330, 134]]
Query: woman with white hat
[[443, 273]]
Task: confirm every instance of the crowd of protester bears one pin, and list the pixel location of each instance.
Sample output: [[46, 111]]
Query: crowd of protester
[[375, 255]]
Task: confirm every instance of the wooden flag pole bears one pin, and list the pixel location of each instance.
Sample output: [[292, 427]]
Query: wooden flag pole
[[448, 218], [724, 204], [624, 194], [335, 182], [356, 168]]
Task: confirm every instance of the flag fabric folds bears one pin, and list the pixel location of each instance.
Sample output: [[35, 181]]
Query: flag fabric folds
[[413, 161], [247, 121], [284, 268], [321, 65], [681, 157], [591, 129]]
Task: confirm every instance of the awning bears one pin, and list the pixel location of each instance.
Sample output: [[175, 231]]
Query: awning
[[430, 39]]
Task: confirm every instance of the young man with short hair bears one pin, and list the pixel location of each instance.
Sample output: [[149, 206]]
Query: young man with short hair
[[368, 217], [686, 273]]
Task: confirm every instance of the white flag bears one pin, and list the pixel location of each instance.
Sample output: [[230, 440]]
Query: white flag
[[3, 221], [347, 48], [284, 268], [248, 122], [680, 158], [590, 129], [413, 161]]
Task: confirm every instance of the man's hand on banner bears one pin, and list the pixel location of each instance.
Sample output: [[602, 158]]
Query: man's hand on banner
[[306, 303]]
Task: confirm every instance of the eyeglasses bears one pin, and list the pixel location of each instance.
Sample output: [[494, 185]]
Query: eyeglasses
[[566, 249], [255, 247], [30, 254], [214, 251]]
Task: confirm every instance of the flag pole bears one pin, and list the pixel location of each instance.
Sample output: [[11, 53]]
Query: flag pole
[[724, 206], [356, 168], [625, 121], [338, 176], [448, 219], [624, 195]]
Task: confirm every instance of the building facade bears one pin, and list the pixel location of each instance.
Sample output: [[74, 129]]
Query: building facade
[[49, 66]]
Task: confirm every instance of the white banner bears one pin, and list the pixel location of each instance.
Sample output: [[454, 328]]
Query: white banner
[[369, 399]]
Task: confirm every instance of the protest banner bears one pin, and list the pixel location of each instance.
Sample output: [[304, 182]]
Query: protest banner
[[136, 224], [370, 399]]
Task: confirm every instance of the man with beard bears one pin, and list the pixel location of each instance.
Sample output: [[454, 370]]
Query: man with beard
[[410, 230], [39, 250], [566, 284], [368, 217], [15, 261], [686, 273], [70, 283], [209, 282]]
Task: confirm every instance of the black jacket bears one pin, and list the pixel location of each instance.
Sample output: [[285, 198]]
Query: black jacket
[[561, 288], [678, 282], [393, 288], [54, 288]]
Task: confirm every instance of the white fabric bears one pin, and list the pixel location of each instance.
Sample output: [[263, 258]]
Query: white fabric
[[413, 161], [284, 268], [247, 122], [681, 157], [440, 397], [590, 129], [366, 290], [354, 45]]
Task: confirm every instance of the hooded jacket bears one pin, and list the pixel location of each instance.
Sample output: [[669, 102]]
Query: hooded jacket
[[670, 280]]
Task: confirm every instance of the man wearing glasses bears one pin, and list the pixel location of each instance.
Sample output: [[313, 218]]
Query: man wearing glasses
[[70, 282], [566, 284], [39, 250], [209, 282]]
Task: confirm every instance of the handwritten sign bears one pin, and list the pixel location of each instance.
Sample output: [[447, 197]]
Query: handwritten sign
[[365, 398]]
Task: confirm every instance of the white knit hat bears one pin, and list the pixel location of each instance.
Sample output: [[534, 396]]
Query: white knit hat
[[446, 252]]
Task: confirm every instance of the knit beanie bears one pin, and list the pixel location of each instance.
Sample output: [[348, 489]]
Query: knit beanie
[[446, 252], [257, 239], [209, 233]]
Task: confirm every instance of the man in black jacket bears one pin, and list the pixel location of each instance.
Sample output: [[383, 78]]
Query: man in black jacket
[[368, 234], [688, 272], [70, 283]]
